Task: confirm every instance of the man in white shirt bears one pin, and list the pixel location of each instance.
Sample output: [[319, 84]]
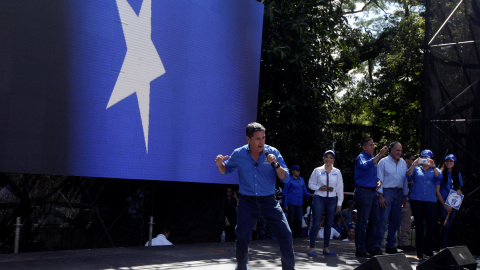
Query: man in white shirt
[[392, 194], [161, 239]]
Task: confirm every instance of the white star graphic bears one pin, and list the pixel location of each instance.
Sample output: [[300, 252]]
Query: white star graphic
[[142, 63]]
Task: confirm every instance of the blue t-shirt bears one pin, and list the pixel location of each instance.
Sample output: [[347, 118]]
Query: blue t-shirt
[[424, 184], [255, 178], [445, 189]]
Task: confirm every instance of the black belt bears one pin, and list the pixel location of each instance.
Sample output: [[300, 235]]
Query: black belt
[[393, 188], [368, 188], [255, 197]]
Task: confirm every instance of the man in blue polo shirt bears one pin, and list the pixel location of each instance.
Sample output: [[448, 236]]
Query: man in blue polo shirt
[[366, 199], [257, 171]]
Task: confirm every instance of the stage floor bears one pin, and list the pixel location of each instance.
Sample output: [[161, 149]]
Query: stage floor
[[264, 254]]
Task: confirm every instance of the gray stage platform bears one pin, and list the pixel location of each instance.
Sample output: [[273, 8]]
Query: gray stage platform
[[264, 254]]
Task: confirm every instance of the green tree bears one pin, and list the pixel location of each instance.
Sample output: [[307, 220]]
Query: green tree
[[310, 53], [299, 76], [385, 102]]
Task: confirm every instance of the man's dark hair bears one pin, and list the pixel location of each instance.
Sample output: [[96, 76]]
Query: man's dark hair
[[252, 127], [164, 230], [365, 141], [392, 145], [407, 156]]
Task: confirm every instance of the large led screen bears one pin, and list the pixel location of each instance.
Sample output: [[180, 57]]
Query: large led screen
[[137, 89]]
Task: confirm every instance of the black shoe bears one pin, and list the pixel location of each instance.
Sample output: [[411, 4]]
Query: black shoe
[[407, 248], [391, 250], [361, 254], [428, 255], [375, 251]]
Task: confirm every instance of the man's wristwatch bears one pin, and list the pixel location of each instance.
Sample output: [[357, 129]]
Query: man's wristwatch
[[278, 166]]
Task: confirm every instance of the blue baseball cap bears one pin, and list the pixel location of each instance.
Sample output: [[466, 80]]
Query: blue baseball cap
[[329, 151], [295, 167], [426, 153], [451, 157]]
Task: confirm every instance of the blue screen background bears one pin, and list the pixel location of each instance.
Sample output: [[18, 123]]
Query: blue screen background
[[199, 108]]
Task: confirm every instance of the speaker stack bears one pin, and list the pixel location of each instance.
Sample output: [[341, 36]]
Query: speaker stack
[[386, 262], [450, 258]]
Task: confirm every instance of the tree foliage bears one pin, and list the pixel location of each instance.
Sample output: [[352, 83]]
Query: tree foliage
[[310, 53], [299, 76]]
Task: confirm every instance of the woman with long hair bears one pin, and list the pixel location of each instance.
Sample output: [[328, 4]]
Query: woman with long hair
[[327, 182], [451, 180], [423, 200]]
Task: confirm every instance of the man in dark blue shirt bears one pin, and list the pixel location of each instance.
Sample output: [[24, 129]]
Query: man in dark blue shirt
[[257, 174], [367, 237], [294, 191]]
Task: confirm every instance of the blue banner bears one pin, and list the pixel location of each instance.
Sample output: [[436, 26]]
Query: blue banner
[[127, 89]]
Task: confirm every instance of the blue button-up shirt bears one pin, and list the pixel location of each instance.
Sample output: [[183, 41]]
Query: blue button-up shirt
[[445, 189], [392, 175], [294, 191], [256, 178], [424, 184], [365, 171]]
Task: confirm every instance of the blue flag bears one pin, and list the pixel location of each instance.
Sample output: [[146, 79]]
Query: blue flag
[[142, 89]]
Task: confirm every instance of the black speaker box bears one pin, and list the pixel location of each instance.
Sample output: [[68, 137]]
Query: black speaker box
[[450, 258], [386, 262]]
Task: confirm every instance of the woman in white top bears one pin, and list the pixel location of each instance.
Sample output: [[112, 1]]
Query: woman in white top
[[327, 182]]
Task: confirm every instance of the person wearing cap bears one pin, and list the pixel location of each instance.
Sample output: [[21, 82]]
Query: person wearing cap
[[451, 180], [258, 167], [366, 199], [423, 201], [392, 194], [327, 182], [294, 191]]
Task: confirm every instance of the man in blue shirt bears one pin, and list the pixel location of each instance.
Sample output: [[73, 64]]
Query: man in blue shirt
[[392, 194], [366, 199], [258, 166], [294, 191]]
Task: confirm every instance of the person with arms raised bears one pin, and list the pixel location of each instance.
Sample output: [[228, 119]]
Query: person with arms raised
[[258, 166], [366, 200], [423, 201]]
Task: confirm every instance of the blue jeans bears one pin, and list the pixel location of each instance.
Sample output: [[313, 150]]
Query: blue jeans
[[425, 216], [322, 205], [392, 214], [448, 225], [295, 215], [248, 211], [366, 233]]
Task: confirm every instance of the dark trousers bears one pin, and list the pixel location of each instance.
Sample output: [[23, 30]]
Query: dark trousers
[[425, 214], [322, 205], [295, 219], [367, 236], [249, 210], [448, 225]]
